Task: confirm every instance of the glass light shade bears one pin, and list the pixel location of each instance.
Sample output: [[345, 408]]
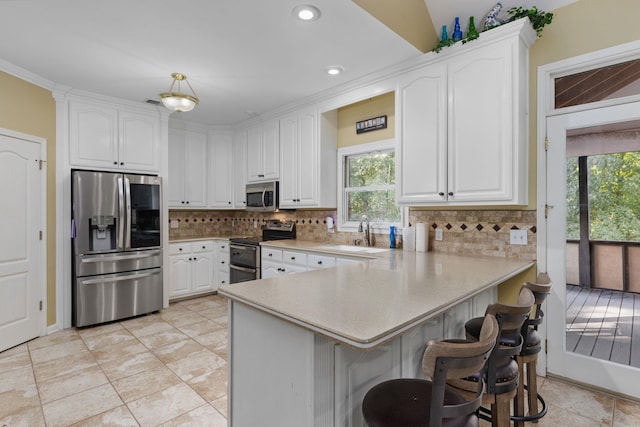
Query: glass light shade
[[178, 101]]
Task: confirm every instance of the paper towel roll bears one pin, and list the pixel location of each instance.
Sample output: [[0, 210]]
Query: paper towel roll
[[422, 237], [409, 239]]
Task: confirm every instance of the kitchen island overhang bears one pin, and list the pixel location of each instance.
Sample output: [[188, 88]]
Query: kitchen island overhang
[[367, 304]]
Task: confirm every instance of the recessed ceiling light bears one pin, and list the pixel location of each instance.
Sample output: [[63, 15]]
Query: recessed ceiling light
[[334, 70], [306, 12]]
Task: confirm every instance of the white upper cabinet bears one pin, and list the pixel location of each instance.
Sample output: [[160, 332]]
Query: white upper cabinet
[[462, 124], [104, 136], [308, 160], [263, 152], [187, 169], [221, 171], [240, 169]]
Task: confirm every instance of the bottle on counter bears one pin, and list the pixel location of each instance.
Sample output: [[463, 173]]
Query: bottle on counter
[[392, 237]]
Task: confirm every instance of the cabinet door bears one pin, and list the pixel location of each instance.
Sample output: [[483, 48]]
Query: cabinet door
[[289, 165], [196, 169], [179, 275], [421, 162], [271, 269], [139, 141], [308, 159], [93, 135], [271, 150], [481, 123], [202, 271], [255, 150], [240, 169], [175, 182], [221, 169]]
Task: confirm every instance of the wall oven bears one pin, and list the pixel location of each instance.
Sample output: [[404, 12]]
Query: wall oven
[[262, 197], [244, 254]]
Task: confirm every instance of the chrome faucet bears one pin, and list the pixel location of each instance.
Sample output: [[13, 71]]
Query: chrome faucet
[[367, 241]]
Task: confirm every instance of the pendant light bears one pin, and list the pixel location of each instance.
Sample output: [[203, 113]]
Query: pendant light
[[179, 101]]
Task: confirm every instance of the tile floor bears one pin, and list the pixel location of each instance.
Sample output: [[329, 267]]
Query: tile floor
[[170, 369]]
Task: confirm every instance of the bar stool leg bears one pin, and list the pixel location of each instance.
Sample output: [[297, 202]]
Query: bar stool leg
[[518, 403], [532, 386]]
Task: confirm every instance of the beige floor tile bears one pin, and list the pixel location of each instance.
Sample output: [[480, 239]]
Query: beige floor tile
[[16, 378], [201, 328], [121, 368], [212, 385], [163, 338], [187, 318], [222, 353], [141, 320], [24, 417], [64, 365], [165, 405], [150, 328], [173, 311], [196, 364], [204, 305], [626, 414], [14, 361], [560, 417], [116, 417], [119, 351], [222, 320], [144, 383], [560, 395], [99, 330], [205, 415], [22, 348], [17, 399], [221, 404], [108, 339], [177, 351], [79, 406], [212, 340], [57, 351], [71, 383], [213, 312], [63, 336]]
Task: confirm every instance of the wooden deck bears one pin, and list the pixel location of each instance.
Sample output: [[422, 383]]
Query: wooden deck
[[604, 324]]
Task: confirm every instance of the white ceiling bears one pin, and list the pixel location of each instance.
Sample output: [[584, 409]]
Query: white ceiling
[[241, 56]]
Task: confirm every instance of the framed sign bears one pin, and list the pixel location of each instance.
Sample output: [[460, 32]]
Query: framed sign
[[368, 125]]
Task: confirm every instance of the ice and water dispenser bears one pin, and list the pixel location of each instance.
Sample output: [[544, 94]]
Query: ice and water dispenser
[[102, 233]]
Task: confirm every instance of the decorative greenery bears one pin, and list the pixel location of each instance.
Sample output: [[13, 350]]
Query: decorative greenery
[[538, 18]]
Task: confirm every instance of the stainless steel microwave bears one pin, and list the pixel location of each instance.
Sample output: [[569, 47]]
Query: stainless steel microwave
[[262, 197]]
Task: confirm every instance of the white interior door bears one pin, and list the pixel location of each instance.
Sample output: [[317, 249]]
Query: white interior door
[[21, 261], [600, 373]]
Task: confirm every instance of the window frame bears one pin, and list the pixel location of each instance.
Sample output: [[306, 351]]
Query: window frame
[[362, 149]]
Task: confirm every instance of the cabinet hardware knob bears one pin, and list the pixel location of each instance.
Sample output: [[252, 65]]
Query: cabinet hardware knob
[[319, 262], [115, 163], [293, 258], [451, 193], [182, 202], [270, 254], [260, 176], [189, 259], [223, 262], [204, 247], [223, 282], [228, 203], [187, 202], [441, 194], [121, 163]]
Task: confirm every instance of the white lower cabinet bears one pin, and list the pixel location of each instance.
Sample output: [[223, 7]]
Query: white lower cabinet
[[190, 268], [222, 262], [277, 262], [316, 262]]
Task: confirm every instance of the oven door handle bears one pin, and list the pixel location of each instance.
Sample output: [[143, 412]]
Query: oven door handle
[[244, 269], [243, 247]]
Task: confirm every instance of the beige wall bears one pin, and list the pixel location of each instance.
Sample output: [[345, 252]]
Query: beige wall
[[373, 107], [29, 109]]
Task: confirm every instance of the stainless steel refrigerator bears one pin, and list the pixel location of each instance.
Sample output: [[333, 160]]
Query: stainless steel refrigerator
[[117, 246]]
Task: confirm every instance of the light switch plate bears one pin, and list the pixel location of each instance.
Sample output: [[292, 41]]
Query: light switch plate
[[438, 234], [174, 223], [518, 237]]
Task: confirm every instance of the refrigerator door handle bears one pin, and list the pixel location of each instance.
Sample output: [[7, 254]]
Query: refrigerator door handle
[[119, 278], [120, 257], [127, 207], [121, 226]]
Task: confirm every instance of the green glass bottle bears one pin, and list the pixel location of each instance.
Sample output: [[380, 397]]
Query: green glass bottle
[[472, 33]]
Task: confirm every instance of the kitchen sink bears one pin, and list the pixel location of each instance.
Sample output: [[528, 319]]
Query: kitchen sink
[[355, 249]]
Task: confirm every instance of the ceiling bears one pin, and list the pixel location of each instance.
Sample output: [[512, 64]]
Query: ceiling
[[242, 57]]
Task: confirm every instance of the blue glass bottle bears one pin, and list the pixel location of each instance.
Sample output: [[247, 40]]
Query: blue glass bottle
[[392, 237], [457, 33]]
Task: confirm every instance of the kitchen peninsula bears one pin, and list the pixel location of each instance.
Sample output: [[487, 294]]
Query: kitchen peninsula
[[305, 348]]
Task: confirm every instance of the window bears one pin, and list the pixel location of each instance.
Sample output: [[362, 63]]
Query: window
[[367, 186]]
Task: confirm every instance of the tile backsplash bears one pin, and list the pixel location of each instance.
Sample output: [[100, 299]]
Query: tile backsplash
[[471, 232]]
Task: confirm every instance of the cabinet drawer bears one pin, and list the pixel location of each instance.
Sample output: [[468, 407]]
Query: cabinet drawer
[[203, 246], [269, 254], [180, 248], [222, 245], [315, 262], [295, 258]]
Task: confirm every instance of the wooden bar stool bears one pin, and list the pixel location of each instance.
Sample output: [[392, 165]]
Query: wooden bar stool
[[527, 360], [411, 402], [502, 373]]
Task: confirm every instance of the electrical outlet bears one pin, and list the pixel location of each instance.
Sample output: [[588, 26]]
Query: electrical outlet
[[518, 237], [174, 223], [438, 234], [255, 224]]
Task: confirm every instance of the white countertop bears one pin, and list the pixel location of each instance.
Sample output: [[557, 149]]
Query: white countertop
[[366, 304]]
